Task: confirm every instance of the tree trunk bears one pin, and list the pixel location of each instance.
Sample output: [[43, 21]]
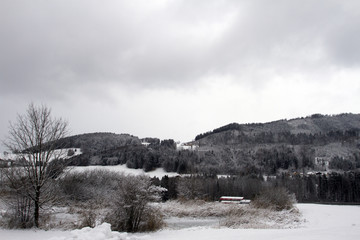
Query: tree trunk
[[37, 207]]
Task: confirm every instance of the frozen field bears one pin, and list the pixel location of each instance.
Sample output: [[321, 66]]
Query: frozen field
[[330, 222]]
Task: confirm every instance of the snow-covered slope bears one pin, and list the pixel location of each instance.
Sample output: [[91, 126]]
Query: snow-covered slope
[[159, 172], [58, 153], [328, 222]]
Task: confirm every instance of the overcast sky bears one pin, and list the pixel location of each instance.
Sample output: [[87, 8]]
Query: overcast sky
[[174, 69]]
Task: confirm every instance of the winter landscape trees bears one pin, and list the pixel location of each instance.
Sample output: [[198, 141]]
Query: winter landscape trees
[[33, 137], [267, 163]]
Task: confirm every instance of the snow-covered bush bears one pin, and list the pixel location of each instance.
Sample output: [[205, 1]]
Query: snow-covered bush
[[277, 198], [130, 208], [93, 186], [18, 214], [88, 218], [18, 205]]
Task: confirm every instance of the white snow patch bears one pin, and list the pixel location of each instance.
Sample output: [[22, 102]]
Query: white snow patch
[[100, 232], [177, 223], [159, 172], [58, 153], [31, 234]]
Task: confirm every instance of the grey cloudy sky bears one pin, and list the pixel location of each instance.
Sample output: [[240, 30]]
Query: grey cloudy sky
[[177, 68]]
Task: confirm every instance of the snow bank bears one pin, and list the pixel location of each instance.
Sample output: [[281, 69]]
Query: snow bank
[[101, 232], [30, 234]]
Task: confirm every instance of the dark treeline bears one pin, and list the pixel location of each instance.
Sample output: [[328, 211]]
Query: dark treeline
[[287, 137], [209, 188], [235, 161], [137, 156], [332, 188], [95, 142], [316, 123], [231, 126]]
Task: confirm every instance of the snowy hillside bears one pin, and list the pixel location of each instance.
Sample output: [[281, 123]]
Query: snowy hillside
[[330, 222], [159, 172], [64, 153]]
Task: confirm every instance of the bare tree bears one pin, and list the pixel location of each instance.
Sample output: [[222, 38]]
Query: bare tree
[[34, 138]]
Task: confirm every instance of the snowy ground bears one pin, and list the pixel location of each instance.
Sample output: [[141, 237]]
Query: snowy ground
[[159, 172], [328, 222], [58, 153]]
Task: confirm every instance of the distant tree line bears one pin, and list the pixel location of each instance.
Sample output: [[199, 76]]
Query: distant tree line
[[209, 188], [286, 137], [95, 142], [231, 126], [269, 159], [324, 124], [135, 156], [332, 188]]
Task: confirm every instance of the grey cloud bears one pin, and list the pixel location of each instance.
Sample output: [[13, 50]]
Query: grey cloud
[[344, 42], [54, 45], [262, 27]]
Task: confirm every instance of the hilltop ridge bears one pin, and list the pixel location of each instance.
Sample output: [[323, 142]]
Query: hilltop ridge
[[314, 143], [316, 123]]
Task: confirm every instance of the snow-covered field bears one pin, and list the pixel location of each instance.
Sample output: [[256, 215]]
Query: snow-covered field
[[58, 153], [159, 172], [330, 222]]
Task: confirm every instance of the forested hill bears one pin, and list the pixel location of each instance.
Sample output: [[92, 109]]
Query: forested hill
[[315, 143], [315, 124], [317, 157], [318, 142], [95, 142], [113, 149]]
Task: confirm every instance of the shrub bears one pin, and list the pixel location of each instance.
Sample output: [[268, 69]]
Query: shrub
[[152, 220], [88, 216], [18, 204], [130, 210], [277, 198], [92, 186], [18, 214]]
